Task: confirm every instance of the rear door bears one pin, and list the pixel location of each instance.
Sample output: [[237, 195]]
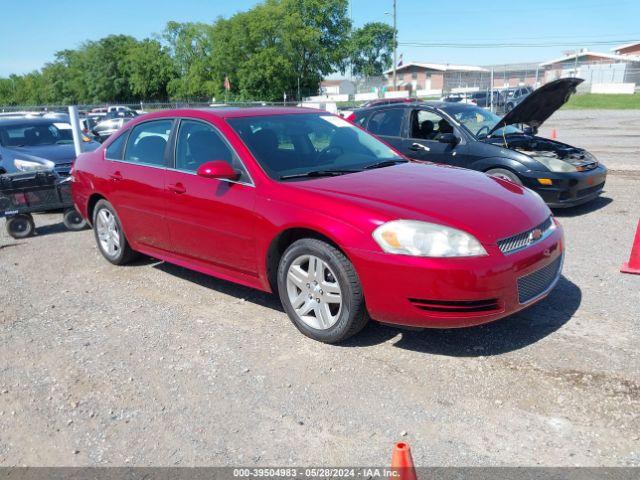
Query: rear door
[[136, 173], [210, 220], [387, 123]]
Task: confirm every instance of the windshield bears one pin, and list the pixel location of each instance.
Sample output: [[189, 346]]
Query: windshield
[[33, 135], [479, 121], [295, 145]]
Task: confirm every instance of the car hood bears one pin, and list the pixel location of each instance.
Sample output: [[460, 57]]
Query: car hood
[[538, 106], [487, 207], [55, 153]]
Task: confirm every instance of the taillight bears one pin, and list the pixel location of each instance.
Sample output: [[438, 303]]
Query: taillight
[[351, 118]]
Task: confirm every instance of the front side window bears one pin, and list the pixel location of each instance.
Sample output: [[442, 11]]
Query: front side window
[[147, 143], [199, 143], [299, 144], [428, 125]]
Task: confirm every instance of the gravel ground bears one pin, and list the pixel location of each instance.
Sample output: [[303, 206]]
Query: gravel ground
[[152, 364], [613, 136]]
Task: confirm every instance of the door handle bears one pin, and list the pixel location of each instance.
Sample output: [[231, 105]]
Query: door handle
[[176, 188], [418, 146], [115, 176]]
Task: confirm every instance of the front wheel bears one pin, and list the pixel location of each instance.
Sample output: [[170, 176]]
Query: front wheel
[[109, 235], [504, 174], [320, 291]]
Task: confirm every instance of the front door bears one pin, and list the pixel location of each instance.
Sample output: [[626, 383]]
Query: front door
[[425, 129], [136, 182], [210, 220]]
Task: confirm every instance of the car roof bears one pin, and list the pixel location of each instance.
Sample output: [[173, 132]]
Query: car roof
[[417, 103], [233, 112], [8, 121]]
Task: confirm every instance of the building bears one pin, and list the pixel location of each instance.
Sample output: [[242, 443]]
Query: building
[[337, 87], [514, 75], [631, 49], [434, 78], [594, 67]]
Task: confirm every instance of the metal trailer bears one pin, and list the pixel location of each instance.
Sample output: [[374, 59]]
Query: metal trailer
[[23, 194]]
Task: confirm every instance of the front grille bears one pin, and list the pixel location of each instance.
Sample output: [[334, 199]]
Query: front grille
[[456, 306], [536, 283], [588, 191], [524, 239]]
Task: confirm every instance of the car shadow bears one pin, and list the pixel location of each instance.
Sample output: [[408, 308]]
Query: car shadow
[[50, 229], [590, 207], [512, 333], [248, 294]]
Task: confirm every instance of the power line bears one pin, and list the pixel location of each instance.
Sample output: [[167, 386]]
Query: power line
[[513, 45]]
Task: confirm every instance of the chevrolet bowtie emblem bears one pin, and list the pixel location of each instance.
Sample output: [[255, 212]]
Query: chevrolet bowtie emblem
[[536, 234]]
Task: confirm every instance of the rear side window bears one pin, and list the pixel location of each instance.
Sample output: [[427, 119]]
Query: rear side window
[[147, 143], [387, 122], [116, 148]]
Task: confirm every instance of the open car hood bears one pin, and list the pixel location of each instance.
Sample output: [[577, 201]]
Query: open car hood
[[538, 106]]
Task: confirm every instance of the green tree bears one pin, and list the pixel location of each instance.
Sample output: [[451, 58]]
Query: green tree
[[149, 70], [189, 45], [371, 49]]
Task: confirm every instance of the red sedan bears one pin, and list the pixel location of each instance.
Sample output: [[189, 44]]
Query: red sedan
[[305, 204]]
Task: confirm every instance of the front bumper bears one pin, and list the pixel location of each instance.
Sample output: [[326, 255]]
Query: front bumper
[[457, 292], [568, 189]]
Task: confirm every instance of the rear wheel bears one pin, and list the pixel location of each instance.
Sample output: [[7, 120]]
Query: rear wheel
[[504, 174], [20, 226], [73, 220], [109, 235], [320, 291]]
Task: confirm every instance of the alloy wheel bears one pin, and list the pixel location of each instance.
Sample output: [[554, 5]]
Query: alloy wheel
[[108, 232], [314, 292]]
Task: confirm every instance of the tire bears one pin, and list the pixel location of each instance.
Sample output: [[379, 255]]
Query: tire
[[330, 310], [73, 220], [109, 235], [504, 174], [20, 226]]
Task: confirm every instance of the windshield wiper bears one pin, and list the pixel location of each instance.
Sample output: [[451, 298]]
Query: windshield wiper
[[318, 173], [384, 163]]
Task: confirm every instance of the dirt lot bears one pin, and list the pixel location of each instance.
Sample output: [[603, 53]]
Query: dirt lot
[[154, 365]]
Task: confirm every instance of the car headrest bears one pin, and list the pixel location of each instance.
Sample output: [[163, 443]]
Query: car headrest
[[206, 145], [150, 149]]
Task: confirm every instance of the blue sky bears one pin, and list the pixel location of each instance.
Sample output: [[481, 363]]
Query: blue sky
[[33, 30]]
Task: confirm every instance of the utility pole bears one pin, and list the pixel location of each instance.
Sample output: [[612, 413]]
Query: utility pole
[[395, 46]]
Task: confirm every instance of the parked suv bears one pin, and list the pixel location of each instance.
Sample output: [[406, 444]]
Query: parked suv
[[514, 96]]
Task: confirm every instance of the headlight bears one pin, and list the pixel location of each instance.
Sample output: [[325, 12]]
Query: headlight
[[422, 239], [555, 164], [31, 166]]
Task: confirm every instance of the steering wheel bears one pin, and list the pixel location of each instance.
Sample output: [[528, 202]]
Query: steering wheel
[[330, 152], [484, 127]]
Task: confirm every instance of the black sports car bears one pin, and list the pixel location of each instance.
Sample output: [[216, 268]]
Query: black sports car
[[469, 136]]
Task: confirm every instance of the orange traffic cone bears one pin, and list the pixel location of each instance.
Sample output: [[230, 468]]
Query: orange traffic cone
[[633, 265], [554, 134], [402, 462]]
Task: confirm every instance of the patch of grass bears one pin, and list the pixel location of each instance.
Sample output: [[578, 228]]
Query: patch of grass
[[603, 101]]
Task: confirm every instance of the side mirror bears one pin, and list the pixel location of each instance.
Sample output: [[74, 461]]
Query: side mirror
[[217, 169], [449, 138]]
